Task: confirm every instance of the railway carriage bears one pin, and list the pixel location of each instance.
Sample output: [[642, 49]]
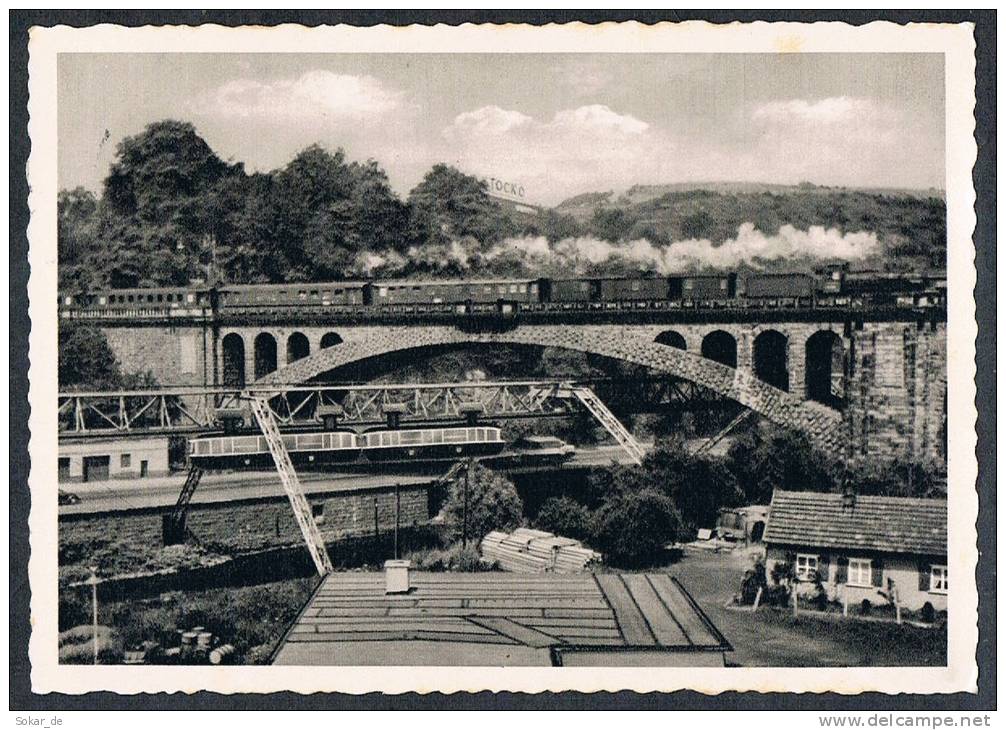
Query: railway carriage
[[780, 290], [480, 291], [702, 287], [167, 301], [634, 289], [320, 294]]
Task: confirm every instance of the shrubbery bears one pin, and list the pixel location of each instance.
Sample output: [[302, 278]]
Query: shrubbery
[[493, 504], [453, 558], [564, 516], [631, 530]]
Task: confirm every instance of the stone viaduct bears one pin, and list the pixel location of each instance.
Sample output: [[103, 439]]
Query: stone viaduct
[[865, 388]]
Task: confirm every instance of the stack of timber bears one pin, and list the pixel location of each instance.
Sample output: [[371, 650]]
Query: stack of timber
[[535, 551]]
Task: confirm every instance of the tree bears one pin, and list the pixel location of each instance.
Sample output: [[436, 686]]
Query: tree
[[311, 200], [77, 236], [161, 174], [85, 359], [632, 529], [766, 457], [492, 504], [896, 478], [448, 205], [611, 224], [380, 219], [564, 516], [156, 207]]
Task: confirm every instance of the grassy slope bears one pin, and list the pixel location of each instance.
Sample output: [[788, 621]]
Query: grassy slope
[[911, 224]]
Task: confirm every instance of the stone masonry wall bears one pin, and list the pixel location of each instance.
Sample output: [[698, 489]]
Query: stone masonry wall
[[251, 526], [175, 355]]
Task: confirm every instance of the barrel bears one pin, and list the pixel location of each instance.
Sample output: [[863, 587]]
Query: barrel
[[203, 639]]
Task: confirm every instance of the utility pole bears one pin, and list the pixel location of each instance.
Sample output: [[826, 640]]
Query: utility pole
[[93, 581], [464, 518], [398, 511]]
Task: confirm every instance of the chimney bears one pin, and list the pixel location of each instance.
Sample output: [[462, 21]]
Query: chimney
[[848, 497], [396, 576]]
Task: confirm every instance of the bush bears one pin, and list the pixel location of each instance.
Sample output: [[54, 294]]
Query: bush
[[777, 595], [754, 579], [451, 559], [493, 504], [564, 516], [928, 613], [632, 529]]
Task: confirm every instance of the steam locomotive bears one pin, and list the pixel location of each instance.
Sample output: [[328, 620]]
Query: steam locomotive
[[832, 286]]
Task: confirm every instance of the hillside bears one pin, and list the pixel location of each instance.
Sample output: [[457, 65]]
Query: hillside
[[911, 225]]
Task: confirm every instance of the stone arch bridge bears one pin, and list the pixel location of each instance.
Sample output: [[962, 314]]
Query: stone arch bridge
[[878, 387], [634, 345]]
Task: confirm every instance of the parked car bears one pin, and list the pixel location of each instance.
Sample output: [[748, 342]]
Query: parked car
[[68, 497]]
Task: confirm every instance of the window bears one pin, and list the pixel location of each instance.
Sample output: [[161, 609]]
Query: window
[[938, 578], [318, 513], [124, 461], [860, 572], [723, 284], [806, 567], [689, 284], [584, 286], [635, 286]]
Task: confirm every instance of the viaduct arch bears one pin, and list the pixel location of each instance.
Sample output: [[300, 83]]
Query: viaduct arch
[[820, 423]]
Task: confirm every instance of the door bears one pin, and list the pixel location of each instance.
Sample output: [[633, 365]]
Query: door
[[95, 468], [143, 468]]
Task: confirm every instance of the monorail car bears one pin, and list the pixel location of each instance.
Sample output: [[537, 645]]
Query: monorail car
[[431, 443]]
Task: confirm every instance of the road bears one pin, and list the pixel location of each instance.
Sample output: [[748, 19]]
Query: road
[[159, 492]]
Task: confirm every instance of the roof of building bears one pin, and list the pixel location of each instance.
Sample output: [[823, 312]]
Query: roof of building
[[882, 524], [499, 619]]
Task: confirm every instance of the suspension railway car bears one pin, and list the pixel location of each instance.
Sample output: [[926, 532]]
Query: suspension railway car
[[334, 447]]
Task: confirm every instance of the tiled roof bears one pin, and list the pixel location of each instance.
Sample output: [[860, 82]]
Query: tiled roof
[[883, 524], [495, 618]]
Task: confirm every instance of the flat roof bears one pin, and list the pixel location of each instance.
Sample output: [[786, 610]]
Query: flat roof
[[503, 619]]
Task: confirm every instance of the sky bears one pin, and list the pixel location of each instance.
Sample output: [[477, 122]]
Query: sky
[[556, 124]]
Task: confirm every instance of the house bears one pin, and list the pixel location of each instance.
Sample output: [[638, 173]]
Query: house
[[101, 459], [862, 547], [407, 618]]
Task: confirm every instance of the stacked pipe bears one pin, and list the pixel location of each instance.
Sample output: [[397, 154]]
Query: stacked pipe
[[535, 551]]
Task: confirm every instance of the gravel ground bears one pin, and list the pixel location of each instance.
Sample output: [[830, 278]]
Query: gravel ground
[[776, 638]]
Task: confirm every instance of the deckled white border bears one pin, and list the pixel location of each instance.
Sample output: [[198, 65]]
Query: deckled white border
[[955, 41]]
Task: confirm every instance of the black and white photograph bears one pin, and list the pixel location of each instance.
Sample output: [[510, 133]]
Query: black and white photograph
[[497, 352]]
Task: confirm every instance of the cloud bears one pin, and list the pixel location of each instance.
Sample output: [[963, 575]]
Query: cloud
[[832, 110], [489, 120], [582, 148], [314, 94], [597, 118]]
